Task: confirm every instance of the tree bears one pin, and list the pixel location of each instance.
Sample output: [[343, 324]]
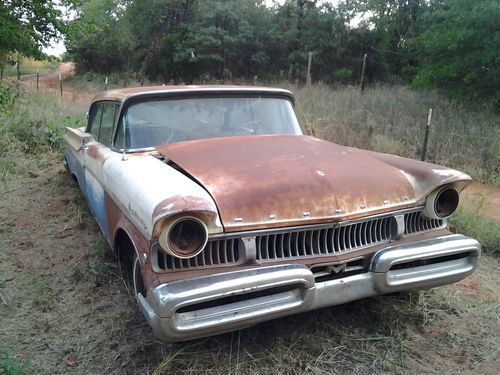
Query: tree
[[26, 26], [459, 49]]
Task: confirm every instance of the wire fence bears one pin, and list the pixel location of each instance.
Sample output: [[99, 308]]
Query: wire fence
[[475, 152]]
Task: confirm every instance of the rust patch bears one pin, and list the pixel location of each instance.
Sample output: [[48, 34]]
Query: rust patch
[[95, 152], [179, 203], [124, 93], [280, 180], [424, 177], [117, 220]]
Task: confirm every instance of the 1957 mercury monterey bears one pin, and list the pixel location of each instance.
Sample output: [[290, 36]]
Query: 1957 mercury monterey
[[229, 216]]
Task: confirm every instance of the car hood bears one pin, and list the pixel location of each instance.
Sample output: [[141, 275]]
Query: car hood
[[281, 180]]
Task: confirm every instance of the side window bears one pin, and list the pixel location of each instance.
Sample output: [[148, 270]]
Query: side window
[[107, 121], [102, 118], [95, 120]]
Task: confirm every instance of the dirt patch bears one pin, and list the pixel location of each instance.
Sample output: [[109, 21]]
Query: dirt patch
[[484, 198], [49, 82]]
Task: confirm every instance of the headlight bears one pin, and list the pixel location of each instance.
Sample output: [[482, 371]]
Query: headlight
[[441, 203], [185, 238]]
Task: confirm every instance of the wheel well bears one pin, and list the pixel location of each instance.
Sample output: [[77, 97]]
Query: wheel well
[[124, 248]]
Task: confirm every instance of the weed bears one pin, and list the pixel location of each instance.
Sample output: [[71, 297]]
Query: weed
[[478, 226], [100, 265], [7, 96], [11, 366]]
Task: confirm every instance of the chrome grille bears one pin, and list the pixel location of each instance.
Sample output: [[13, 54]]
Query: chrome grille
[[416, 222], [216, 253], [297, 243], [325, 241]]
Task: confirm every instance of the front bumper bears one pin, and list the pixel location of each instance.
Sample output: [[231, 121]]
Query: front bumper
[[209, 305]]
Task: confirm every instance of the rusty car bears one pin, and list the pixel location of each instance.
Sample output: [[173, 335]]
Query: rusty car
[[227, 215]]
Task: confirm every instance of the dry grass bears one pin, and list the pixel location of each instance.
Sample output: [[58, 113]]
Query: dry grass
[[392, 120], [30, 66], [64, 306]]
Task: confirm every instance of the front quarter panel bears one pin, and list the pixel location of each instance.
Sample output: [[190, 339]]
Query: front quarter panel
[[148, 190]]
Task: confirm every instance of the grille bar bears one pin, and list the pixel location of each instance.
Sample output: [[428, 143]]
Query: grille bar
[[298, 243], [416, 222], [325, 241], [216, 253]]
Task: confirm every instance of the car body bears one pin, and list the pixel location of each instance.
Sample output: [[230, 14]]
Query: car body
[[229, 216]]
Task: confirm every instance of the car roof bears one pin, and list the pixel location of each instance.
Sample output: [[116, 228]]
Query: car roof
[[182, 90]]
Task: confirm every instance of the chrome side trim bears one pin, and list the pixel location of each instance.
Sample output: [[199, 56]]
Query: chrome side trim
[[188, 309]]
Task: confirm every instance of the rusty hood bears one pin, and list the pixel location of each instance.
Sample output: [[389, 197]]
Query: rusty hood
[[280, 180]]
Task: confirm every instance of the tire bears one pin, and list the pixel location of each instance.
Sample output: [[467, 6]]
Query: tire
[[137, 278]]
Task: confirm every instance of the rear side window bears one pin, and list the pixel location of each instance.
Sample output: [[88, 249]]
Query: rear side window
[[95, 120], [102, 119]]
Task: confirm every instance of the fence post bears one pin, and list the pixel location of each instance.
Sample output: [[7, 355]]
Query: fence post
[[362, 83], [426, 137], [60, 83], [106, 83], [18, 67], [18, 71], [37, 78], [309, 63]]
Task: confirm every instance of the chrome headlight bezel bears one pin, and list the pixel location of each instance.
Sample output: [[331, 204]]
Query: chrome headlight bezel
[[442, 203], [170, 237]]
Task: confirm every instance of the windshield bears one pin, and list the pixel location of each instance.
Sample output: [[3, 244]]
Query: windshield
[[156, 122]]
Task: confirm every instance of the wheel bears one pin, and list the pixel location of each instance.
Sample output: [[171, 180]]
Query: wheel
[[66, 166], [138, 278]]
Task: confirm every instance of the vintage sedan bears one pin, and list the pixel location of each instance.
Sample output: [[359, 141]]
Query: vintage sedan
[[227, 215]]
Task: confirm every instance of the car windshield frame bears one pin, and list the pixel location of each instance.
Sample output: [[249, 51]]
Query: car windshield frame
[[117, 144]]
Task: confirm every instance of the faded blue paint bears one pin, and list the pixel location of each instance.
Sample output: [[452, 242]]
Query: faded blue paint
[[76, 168], [96, 201]]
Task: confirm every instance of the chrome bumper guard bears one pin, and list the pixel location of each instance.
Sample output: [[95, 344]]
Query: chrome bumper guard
[[209, 305]]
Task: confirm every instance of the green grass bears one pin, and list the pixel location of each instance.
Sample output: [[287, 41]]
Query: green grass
[[94, 82], [13, 366], [35, 122], [475, 224]]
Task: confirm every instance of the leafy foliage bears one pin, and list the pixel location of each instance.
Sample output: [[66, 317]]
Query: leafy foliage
[[7, 96], [26, 26], [444, 44], [459, 48]]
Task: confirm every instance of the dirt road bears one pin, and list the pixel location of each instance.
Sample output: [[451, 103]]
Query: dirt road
[[64, 306], [484, 198]]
